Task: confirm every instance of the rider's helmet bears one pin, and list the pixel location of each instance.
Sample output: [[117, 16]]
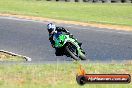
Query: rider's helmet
[[51, 28]]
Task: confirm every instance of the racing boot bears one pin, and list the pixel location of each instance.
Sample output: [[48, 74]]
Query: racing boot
[[71, 36], [80, 44]]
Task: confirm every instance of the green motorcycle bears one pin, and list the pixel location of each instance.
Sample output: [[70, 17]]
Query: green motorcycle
[[70, 47]]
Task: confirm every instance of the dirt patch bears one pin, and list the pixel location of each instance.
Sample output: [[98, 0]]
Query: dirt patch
[[109, 26], [10, 57], [4, 56]]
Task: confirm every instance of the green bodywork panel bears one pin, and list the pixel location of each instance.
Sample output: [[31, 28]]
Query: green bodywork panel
[[63, 39], [59, 42]]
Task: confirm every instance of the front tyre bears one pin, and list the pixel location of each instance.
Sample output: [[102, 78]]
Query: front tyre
[[82, 56], [74, 54]]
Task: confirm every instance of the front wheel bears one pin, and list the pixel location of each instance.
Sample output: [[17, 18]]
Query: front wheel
[[82, 56], [72, 52]]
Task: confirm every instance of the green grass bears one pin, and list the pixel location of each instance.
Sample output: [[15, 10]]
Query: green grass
[[120, 14], [57, 75], [63, 75], [10, 57]]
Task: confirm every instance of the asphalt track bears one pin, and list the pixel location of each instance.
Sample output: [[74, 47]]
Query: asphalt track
[[30, 38]]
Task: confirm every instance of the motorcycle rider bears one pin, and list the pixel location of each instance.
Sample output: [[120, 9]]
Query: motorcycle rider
[[54, 32]]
